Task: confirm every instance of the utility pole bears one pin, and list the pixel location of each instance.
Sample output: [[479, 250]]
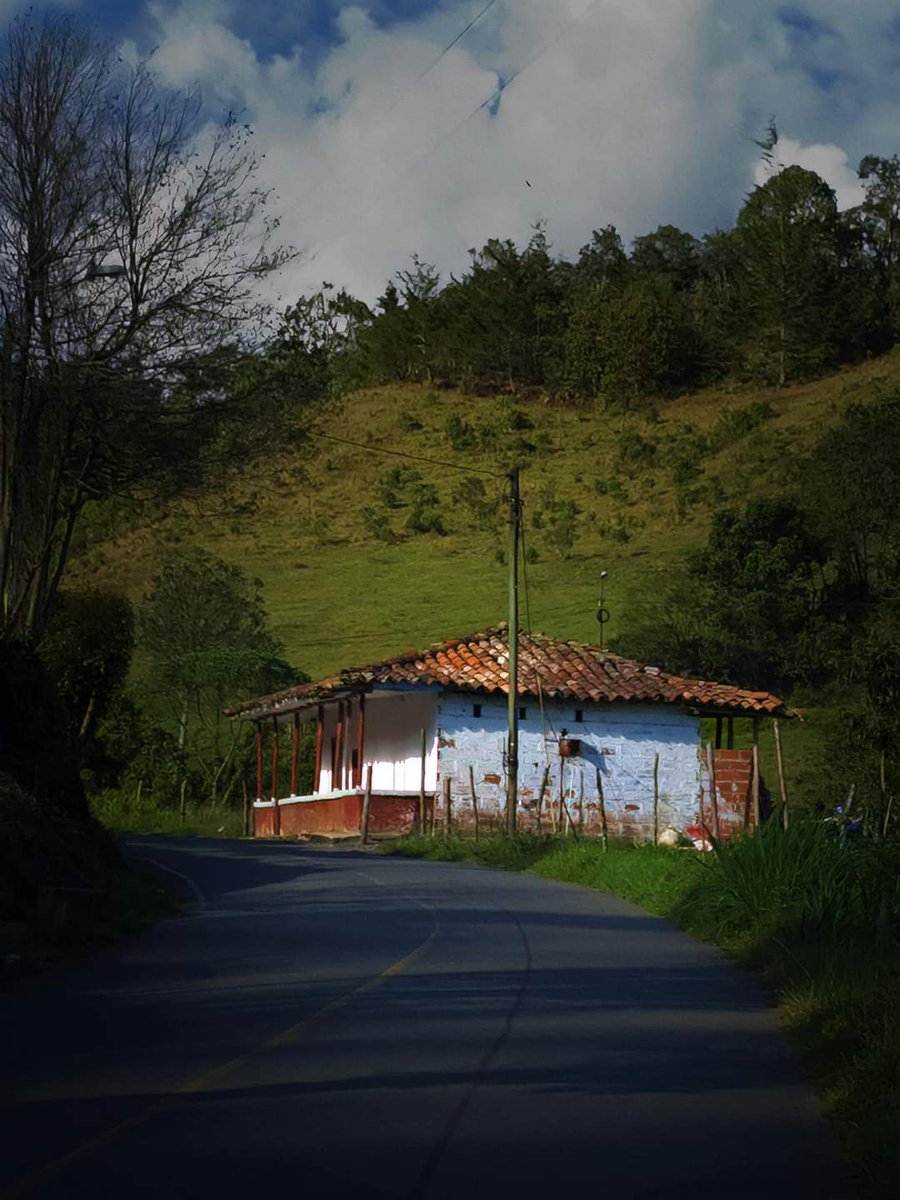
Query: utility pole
[[512, 750]]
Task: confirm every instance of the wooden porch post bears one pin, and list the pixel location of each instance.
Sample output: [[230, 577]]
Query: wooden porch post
[[295, 752], [360, 743], [718, 733], [320, 732], [275, 776], [337, 770], [259, 761]]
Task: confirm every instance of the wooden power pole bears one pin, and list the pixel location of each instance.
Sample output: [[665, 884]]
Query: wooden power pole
[[512, 749]]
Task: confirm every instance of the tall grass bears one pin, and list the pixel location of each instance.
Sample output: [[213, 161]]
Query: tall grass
[[123, 814]]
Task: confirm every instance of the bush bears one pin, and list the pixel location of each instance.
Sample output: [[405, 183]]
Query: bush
[[634, 452], [614, 488], [377, 524], [425, 518], [459, 433], [736, 423], [471, 495]]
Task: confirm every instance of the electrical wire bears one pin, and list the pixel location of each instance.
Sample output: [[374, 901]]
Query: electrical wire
[[494, 96], [434, 462], [381, 114]]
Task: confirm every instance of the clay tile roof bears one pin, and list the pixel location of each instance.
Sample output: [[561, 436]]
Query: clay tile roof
[[547, 667]]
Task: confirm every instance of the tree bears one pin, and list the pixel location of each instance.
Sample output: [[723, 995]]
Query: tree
[[131, 235], [746, 610], [787, 279], [850, 488], [628, 346], [204, 631], [87, 648], [668, 254]]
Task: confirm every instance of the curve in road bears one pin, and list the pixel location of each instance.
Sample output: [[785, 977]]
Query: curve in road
[[359, 1026]]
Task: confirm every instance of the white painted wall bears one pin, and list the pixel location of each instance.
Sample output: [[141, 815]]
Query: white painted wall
[[620, 738], [393, 740]]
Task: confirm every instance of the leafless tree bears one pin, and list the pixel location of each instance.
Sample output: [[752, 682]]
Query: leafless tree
[[132, 231]]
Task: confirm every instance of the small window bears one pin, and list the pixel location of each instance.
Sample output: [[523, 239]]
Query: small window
[[523, 713], [476, 710], [579, 714]]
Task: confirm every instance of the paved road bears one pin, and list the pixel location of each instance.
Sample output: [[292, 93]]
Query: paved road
[[338, 1024]]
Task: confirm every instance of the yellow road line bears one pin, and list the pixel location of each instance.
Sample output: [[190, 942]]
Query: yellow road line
[[201, 1083]]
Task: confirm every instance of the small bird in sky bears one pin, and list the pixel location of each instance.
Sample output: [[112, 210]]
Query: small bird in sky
[[527, 184]]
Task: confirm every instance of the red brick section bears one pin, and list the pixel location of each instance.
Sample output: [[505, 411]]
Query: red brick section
[[557, 669], [343, 814], [734, 773]]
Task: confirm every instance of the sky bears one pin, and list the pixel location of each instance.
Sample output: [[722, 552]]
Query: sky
[[383, 133]]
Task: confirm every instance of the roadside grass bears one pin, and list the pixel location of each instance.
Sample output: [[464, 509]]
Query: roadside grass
[[814, 915], [123, 814]]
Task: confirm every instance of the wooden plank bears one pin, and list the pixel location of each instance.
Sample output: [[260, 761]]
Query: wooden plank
[[277, 823], [422, 782], [360, 743], [295, 752], [259, 762], [448, 784], [656, 798], [541, 794], [713, 791], [366, 807], [320, 733], [337, 767], [604, 828], [474, 798], [755, 778]]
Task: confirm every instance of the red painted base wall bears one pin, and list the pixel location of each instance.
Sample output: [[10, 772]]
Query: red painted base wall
[[342, 815]]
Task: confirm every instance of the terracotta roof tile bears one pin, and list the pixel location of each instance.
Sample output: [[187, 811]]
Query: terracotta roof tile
[[547, 666]]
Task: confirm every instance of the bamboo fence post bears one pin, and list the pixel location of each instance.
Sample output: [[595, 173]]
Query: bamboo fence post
[[656, 799], [556, 810], [713, 790], [448, 784], [755, 776], [540, 804], [182, 803], [780, 764], [422, 787], [246, 808], [474, 798], [581, 799], [366, 807], [604, 829]]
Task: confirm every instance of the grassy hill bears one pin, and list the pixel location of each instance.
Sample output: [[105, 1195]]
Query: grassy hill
[[338, 593]]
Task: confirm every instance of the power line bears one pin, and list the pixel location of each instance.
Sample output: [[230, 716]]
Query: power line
[[434, 462], [451, 133], [446, 50], [380, 115]]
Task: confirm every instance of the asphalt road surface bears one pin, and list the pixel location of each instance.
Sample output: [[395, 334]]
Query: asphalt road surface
[[337, 1024]]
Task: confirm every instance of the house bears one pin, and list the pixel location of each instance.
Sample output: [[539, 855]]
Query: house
[[603, 740]]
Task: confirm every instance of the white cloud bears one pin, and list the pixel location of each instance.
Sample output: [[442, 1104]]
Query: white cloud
[[828, 161], [630, 112]]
